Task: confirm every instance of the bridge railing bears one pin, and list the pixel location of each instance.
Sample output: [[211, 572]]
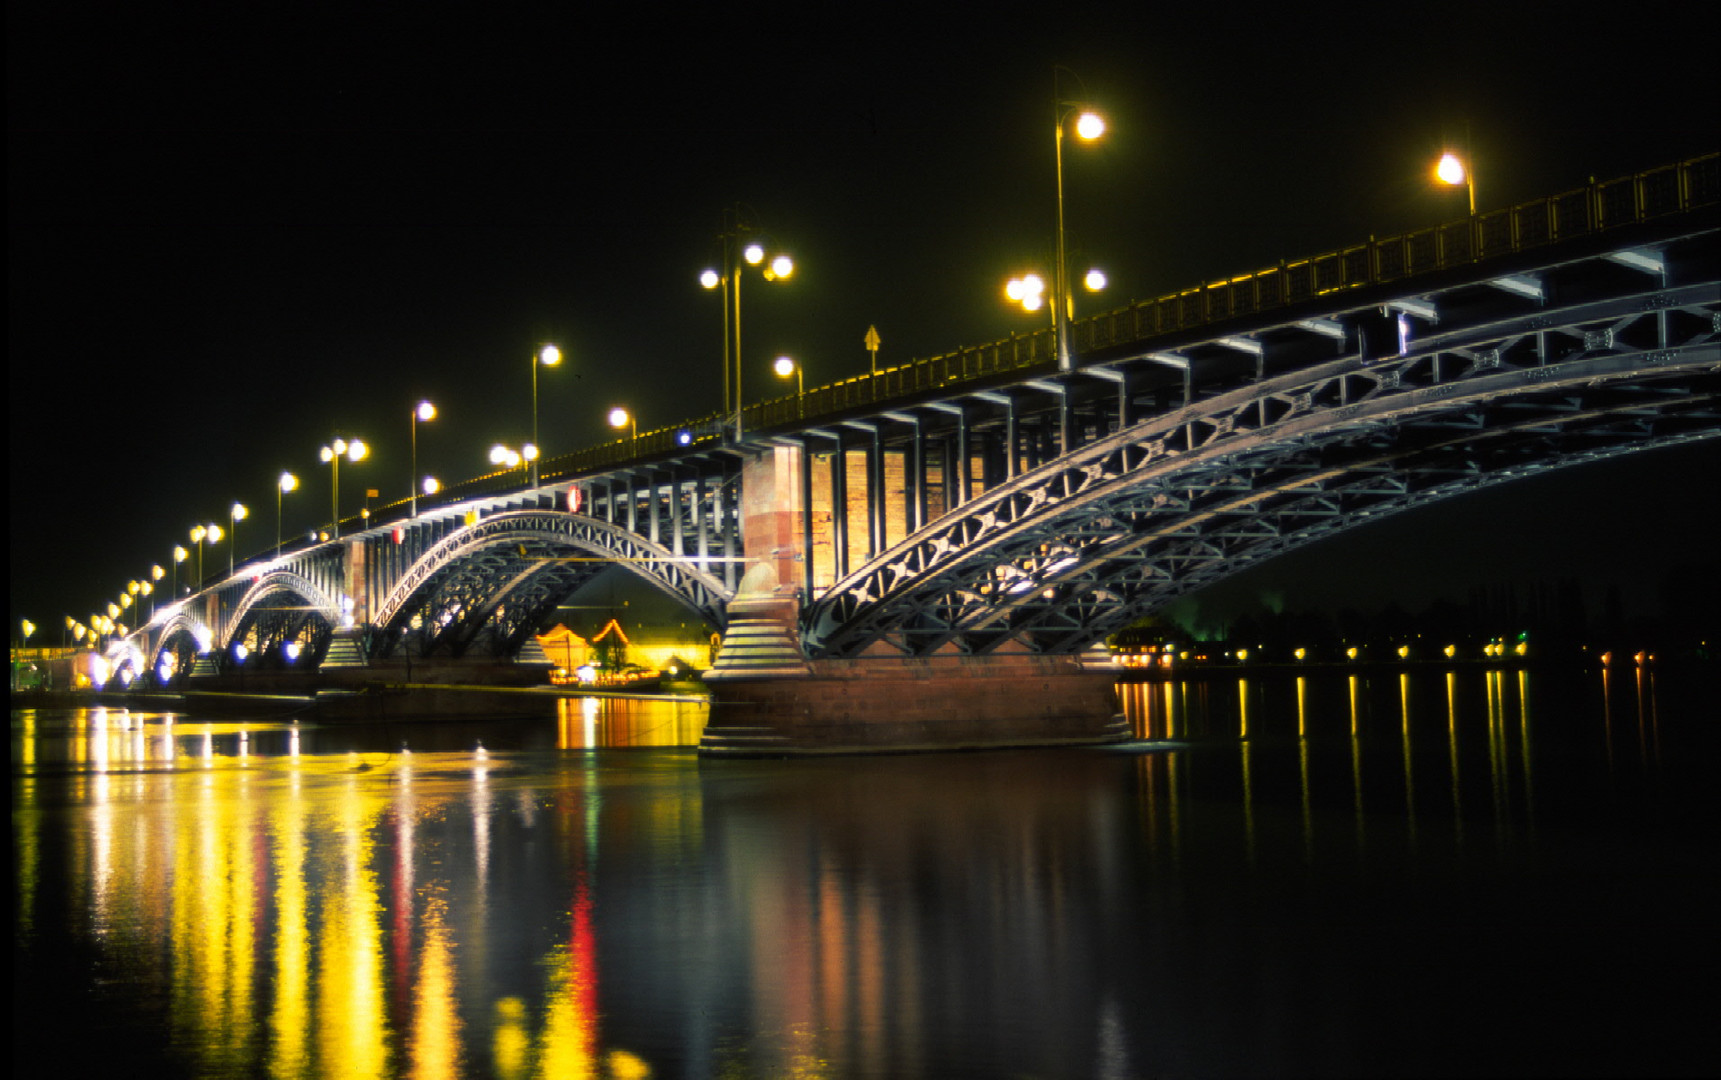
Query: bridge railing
[[1629, 200]]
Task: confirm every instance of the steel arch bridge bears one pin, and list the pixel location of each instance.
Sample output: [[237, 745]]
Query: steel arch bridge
[[1011, 504]]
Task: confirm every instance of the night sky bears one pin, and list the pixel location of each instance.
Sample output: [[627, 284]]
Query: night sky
[[237, 231]]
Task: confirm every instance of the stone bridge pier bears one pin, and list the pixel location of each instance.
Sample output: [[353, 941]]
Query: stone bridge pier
[[769, 696]]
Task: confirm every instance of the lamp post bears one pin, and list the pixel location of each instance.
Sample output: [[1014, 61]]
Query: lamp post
[[620, 417], [235, 514], [740, 244], [156, 573], [785, 366], [1453, 170], [179, 556], [424, 412], [548, 356], [198, 532], [355, 452], [284, 483], [1089, 126]]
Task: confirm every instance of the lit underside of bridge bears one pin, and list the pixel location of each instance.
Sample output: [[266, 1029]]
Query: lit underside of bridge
[[990, 503]]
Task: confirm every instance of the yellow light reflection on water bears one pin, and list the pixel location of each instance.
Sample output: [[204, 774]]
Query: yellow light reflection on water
[[436, 1022]]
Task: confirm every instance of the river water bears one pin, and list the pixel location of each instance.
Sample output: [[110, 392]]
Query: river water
[[1430, 872]]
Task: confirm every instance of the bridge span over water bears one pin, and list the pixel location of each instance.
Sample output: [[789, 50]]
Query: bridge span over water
[[981, 519]]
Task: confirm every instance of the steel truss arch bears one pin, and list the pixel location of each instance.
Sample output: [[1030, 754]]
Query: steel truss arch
[[488, 585], [1080, 546], [280, 607]]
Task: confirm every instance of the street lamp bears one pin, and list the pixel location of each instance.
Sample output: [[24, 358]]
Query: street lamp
[[179, 556], [355, 452], [785, 367], [284, 483], [236, 514], [424, 411], [505, 456], [1454, 170], [776, 267], [549, 356], [198, 532], [1089, 126], [619, 418]]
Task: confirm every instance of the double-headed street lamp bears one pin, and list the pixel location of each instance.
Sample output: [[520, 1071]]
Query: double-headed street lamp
[[548, 356], [200, 533], [1089, 125], [740, 244], [510, 458], [424, 412], [355, 452]]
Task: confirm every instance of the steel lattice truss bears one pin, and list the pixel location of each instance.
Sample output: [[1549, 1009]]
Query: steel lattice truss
[[1082, 546], [484, 589], [282, 607]]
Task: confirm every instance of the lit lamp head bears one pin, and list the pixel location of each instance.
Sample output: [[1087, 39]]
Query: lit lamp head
[[619, 417], [288, 482], [356, 450], [238, 512], [709, 279], [1029, 290], [156, 573], [754, 254], [425, 411], [180, 554], [1094, 280], [1090, 126], [431, 486], [784, 366], [214, 533], [198, 532], [529, 451], [1450, 169], [780, 269], [549, 356]]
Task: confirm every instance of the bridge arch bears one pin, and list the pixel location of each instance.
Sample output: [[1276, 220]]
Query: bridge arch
[[177, 645], [1080, 547], [486, 587], [284, 617]]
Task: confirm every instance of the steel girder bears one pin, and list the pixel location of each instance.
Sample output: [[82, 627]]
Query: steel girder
[[485, 588], [1085, 544]]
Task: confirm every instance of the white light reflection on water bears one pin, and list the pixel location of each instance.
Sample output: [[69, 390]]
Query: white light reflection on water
[[288, 900]]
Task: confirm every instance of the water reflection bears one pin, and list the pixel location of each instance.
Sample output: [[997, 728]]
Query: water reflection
[[275, 899]]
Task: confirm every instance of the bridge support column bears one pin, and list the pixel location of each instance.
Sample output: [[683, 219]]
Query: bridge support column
[[768, 698]]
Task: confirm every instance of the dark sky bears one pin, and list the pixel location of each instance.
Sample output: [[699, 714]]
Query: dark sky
[[236, 231]]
